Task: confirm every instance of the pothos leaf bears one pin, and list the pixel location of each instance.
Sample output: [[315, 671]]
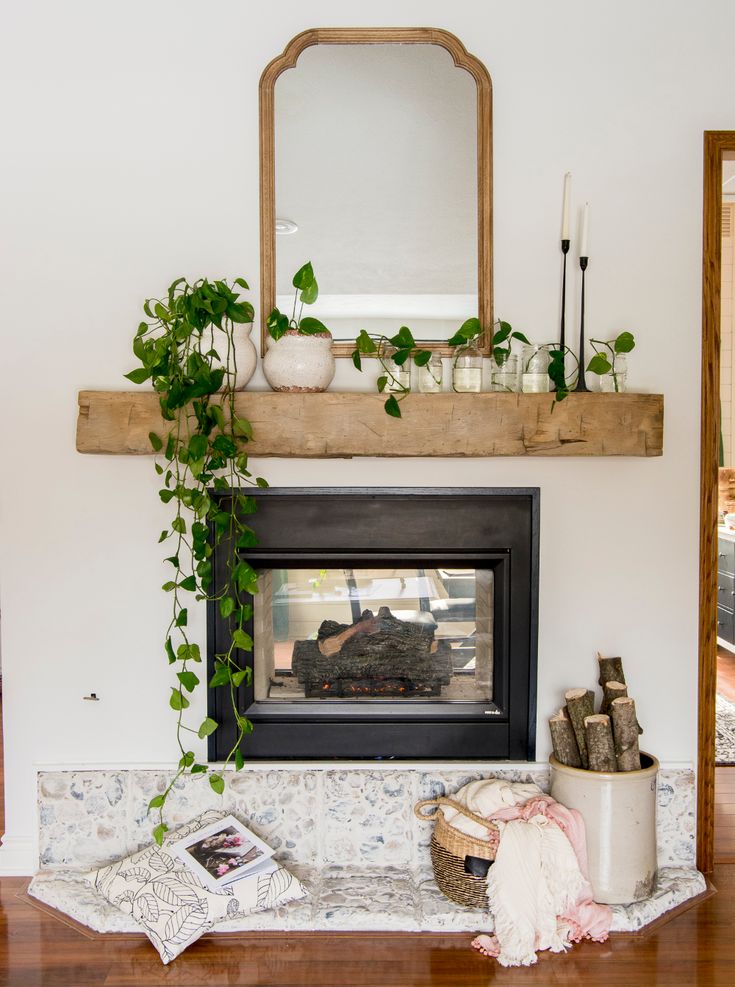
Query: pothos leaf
[[218, 783], [188, 680], [177, 700], [624, 343], [392, 407], [208, 726], [304, 276], [599, 364]]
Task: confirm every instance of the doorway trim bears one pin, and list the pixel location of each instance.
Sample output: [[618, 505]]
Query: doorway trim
[[716, 142]]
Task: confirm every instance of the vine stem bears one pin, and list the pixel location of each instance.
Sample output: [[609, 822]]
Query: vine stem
[[173, 351]]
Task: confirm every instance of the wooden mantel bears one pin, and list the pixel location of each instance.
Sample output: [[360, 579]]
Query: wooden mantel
[[342, 425]]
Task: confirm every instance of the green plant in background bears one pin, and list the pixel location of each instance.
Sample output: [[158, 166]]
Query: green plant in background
[[502, 338], [606, 353], [403, 347], [186, 350], [307, 292], [563, 382]]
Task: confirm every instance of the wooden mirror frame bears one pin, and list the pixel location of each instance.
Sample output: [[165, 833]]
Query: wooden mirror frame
[[376, 36]]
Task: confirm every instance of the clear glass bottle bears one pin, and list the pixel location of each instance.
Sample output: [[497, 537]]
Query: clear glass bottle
[[467, 369], [506, 375], [536, 361], [399, 376], [431, 375], [616, 382]]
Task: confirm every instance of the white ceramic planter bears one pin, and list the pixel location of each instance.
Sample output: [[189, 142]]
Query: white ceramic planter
[[246, 357], [619, 812], [299, 363]]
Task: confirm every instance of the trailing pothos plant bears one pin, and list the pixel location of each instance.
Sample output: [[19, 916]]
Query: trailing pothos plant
[[389, 350], [186, 350], [306, 293]]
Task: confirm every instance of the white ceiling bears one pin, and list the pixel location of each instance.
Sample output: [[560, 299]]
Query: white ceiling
[[376, 161]]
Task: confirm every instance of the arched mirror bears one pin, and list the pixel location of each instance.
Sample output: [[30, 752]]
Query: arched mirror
[[376, 166]]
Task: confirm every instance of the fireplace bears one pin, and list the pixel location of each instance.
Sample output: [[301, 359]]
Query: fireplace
[[389, 623]]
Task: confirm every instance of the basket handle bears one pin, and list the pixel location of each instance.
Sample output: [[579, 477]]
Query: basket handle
[[441, 800]]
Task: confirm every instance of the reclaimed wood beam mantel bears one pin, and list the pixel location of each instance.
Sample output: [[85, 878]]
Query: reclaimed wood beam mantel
[[343, 425]]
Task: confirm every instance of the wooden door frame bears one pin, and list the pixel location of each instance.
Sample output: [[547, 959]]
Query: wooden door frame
[[716, 142]]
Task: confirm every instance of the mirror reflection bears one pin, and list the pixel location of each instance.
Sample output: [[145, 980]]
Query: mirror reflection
[[376, 185]]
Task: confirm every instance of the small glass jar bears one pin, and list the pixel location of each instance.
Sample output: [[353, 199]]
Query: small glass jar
[[535, 378], [616, 382], [399, 376], [431, 375], [505, 374], [467, 370]]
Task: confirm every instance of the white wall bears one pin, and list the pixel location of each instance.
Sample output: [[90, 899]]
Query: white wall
[[130, 157]]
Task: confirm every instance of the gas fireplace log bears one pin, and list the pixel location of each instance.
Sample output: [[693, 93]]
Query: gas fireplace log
[[563, 740], [600, 746], [625, 730], [333, 645], [375, 655], [580, 703], [610, 691]]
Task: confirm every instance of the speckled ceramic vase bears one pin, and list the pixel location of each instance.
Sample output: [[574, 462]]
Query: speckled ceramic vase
[[299, 363], [246, 357], [619, 812]]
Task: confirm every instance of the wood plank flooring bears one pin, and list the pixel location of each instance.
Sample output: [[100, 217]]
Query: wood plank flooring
[[38, 950]]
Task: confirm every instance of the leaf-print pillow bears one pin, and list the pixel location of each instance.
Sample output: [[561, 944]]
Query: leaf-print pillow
[[171, 904]]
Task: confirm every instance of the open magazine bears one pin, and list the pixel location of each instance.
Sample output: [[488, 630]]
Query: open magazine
[[223, 852]]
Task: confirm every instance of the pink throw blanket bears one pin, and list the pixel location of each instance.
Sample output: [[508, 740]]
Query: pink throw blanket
[[586, 918]]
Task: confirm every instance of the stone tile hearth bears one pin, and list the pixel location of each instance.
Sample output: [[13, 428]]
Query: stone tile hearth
[[349, 833], [343, 900]]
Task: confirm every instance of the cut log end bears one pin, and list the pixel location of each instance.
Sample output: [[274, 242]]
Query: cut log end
[[612, 690], [611, 670], [563, 740], [580, 704], [600, 745], [625, 730]]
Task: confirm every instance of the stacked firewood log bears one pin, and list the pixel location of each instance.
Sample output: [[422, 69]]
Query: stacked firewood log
[[606, 740]]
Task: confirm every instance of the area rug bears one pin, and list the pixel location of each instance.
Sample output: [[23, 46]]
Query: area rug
[[725, 731]]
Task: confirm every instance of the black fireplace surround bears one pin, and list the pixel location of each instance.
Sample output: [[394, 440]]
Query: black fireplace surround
[[494, 529]]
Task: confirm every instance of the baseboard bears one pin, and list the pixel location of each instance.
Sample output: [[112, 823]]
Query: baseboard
[[18, 857]]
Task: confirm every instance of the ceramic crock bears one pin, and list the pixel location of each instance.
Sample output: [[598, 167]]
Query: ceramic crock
[[246, 357], [299, 363], [619, 812]]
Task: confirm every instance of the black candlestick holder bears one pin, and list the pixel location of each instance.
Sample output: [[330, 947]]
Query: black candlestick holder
[[565, 251], [581, 382]]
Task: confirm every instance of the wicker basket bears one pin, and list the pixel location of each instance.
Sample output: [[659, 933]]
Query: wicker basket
[[450, 848]]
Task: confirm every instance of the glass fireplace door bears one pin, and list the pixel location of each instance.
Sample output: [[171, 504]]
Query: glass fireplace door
[[384, 634]]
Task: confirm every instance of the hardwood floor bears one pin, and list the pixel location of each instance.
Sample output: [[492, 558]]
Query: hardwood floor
[[38, 950]]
